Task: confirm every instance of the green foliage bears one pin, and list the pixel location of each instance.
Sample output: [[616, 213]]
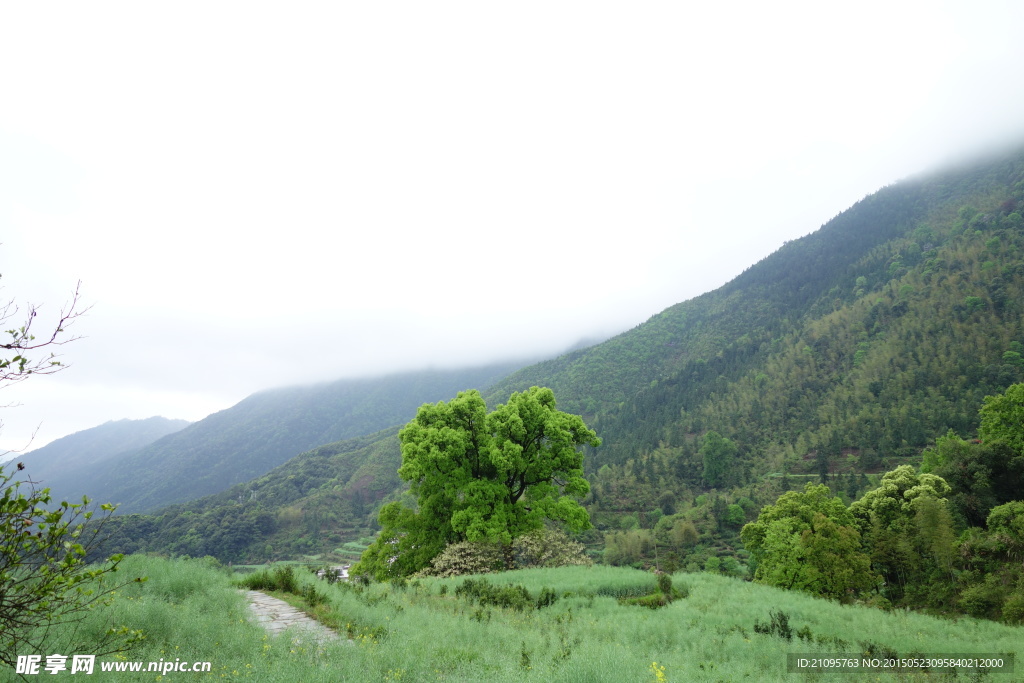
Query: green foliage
[[908, 531], [808, 541], [719, 455], [466, 557], [735, 515], [1013, 609], [281, 578], [777, 625], [980, 475], [514, 597], [45, 582], [1006, 529], [1002, 417], [482, 477], [892, 504]]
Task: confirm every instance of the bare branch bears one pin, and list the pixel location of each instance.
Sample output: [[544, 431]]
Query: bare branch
[[23, 342]]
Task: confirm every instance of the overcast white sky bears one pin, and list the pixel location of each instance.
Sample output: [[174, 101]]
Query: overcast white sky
[[258, 194]]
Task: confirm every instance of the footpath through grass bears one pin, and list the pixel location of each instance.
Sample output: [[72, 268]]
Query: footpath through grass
[[440, 630]]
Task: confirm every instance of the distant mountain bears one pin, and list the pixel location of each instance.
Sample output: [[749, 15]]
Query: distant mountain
[[263, 431], [61, 463], [845, 352], [314, 502]]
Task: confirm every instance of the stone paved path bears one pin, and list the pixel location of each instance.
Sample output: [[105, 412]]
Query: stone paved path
[[277, 615]]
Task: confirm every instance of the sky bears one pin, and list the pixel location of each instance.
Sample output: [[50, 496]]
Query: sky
[[263, 194]]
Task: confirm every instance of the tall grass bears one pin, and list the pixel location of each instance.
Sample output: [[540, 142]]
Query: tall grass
[[423, 632]]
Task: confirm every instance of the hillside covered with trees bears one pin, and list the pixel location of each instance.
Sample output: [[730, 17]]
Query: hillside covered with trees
[[842, 356]]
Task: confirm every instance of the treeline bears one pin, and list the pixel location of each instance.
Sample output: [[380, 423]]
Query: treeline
[[946, 539]]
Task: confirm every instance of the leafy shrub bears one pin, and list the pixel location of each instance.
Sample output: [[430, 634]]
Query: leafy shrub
[[284, 578], [777, 625], [459, 559], [547, 597], [280, 579], [511, 597], [1013, 609], [664, 594], [652, 601], [979, 601], [871, 649], [548, 548], [259, 581]]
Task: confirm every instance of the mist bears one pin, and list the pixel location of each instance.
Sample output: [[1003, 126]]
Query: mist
[[340, 191]]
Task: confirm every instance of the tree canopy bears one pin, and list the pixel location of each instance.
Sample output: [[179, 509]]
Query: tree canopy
[[480, 476], [1002, 416], [808, 541]]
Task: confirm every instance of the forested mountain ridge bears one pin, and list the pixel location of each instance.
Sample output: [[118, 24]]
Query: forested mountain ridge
[[899, 342], [846, 351], [908, 246], [766, 298], [61, 462], [261, 432]]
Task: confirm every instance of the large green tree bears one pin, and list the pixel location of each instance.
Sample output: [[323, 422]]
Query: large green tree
[[479, 476], [808, 541], [908, 531], [981, 475], [719, 455]]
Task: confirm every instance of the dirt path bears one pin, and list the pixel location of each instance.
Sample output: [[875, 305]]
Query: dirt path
[[277, 615]]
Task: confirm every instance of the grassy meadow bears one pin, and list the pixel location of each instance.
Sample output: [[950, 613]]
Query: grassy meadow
[[425, 631]]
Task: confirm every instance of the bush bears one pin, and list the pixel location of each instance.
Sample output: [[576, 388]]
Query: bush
[[548, 548], [777, 625], [284, 577], [547, 597], [459, 559], [510, 597], [1013, 609], [312, 596], [45, 580], [280, 579], [979, 601]]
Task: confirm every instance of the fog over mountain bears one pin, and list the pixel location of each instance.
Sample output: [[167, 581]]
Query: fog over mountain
[[349, 190]]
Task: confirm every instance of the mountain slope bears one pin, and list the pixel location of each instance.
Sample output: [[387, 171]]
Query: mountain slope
[[62, 462], [635, 385], [263, 431], [883, 349], [314, 502]]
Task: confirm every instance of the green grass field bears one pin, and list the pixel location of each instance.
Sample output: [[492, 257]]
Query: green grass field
[[423, 632]]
